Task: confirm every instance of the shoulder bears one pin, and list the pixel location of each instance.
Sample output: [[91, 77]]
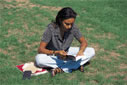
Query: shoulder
[[75, 28], [51, 26]]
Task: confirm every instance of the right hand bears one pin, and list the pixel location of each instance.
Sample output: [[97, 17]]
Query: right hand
[[62, 54]]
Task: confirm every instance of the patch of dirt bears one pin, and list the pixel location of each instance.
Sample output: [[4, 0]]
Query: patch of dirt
[[110, 74], [14, 32], [34, 31], [106, 35], [21, 40], [25, 26], [32, 45], [122, 73], [89, 29], [107, 58], [111, 55], [125, 78], [115, 55], [11, 23], [31, 33], [122, 46], [28, 4], [115, 74], [51, 8], [22, 0], [94, 82], [89, 24], [35, 43], [97, 47], [72, 77], [5, 23], [11, 52], [11, 47], [82, 83], [13, 57], [3, 51], [8, 0], [80, 24], [123, 66], [92, 72]]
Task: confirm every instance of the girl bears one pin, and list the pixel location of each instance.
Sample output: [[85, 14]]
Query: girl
[[56, 42]]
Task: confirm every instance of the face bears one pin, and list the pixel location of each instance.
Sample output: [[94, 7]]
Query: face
[[67, 23]]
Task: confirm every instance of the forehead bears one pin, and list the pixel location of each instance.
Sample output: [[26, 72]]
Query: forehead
[[70, 20]]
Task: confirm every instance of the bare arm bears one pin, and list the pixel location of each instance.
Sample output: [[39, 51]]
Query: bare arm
[[83, 45], [42, 49]]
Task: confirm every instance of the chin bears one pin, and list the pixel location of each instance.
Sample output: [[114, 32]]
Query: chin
[[67, 30]]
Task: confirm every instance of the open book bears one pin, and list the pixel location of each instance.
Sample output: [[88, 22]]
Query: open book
[[73, 57]]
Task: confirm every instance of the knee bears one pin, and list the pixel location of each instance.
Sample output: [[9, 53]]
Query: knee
[[39, 59], [90, 52]]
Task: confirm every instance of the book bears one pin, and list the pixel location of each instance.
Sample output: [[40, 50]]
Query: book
[[73, 57]]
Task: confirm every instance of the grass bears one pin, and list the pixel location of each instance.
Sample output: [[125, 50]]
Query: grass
[[102, 22]]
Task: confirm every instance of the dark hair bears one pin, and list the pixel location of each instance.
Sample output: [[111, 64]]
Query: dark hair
[[65, 13]]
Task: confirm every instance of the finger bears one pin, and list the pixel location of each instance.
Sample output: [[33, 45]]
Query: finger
[[65, 53], [80, 54]]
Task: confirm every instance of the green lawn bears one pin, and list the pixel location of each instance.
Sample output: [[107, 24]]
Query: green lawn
[[102, 22]]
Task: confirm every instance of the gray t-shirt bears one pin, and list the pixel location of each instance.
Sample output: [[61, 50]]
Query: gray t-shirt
[[53, 38]]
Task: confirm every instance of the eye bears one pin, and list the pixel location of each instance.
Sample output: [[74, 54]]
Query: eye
[[68, 23]]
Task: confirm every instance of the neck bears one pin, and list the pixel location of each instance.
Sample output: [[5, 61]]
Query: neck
[[62, 31]]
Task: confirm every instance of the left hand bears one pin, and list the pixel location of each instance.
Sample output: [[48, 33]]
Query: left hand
[[80, 54]]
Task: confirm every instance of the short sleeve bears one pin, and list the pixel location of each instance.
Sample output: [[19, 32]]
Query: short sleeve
[[76, 32], [46, 37]]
